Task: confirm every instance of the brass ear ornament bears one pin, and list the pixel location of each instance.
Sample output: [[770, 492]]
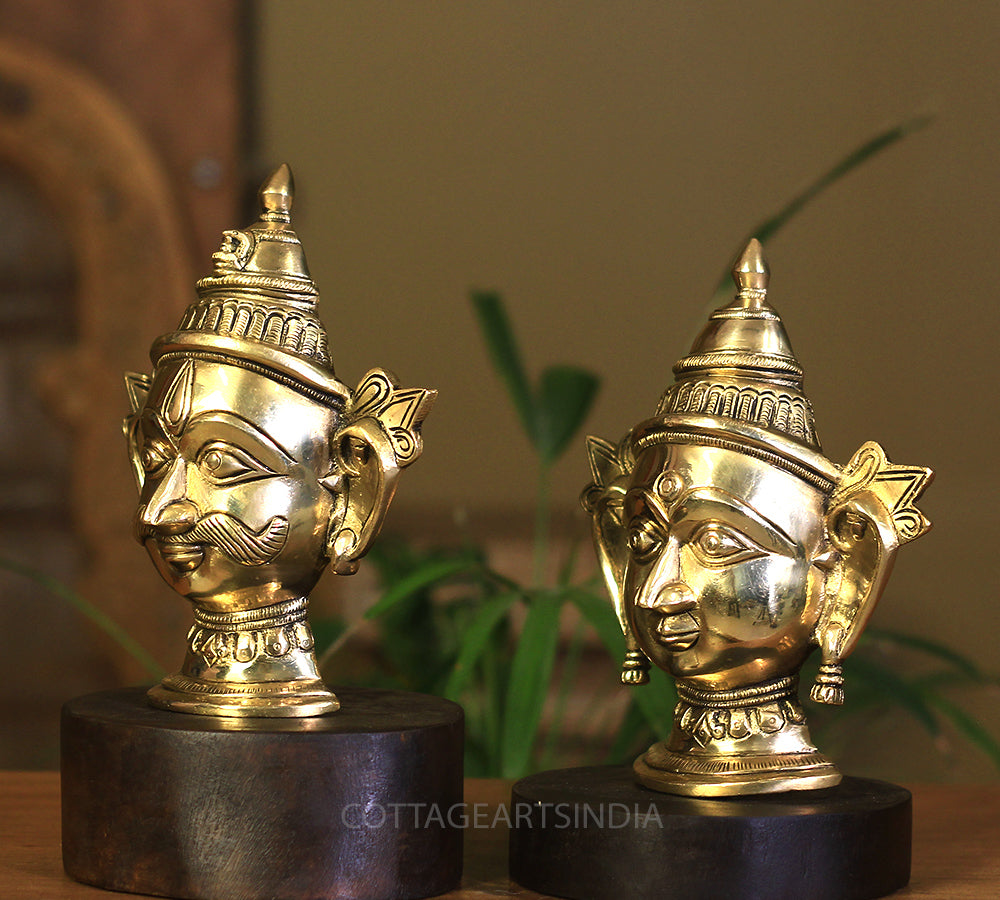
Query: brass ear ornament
[[257, 467], [872, 512], [732, 548], [610, 466]]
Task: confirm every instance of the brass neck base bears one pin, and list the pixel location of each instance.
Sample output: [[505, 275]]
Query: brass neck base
[[750, 740], [251, 663], [776, 689]]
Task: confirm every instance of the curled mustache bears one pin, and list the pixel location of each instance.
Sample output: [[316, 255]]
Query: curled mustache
[[230, 535]]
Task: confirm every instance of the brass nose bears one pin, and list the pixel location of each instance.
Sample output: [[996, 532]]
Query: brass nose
[[176, 517]]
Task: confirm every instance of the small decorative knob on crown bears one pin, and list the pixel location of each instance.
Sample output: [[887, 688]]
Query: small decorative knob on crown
[[751, 271], [278, 192]]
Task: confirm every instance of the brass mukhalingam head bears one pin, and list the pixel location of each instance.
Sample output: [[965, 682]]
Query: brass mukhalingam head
[[257, 467], [732, 547]]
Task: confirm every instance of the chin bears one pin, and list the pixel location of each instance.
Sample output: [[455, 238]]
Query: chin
[[724, 675], [199, 583], [177, 578], [688, 665]]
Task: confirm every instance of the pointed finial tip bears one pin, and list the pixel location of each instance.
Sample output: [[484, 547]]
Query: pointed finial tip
[[278, 191], [751, 269]]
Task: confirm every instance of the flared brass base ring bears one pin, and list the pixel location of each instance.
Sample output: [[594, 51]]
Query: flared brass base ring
[[717, 776], [270, 699]]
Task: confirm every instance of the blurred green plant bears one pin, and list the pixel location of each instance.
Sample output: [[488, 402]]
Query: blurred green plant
[[773, 223], [465, 645], [98, 617], [895, 672]]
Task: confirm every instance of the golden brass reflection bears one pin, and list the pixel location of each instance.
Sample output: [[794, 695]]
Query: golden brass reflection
[[732, 548], [257, 467]]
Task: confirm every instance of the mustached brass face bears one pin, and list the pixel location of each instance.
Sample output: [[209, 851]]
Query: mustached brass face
[[257, 468], [732, 548]]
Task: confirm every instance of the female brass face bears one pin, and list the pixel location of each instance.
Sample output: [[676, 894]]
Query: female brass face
[[721, 583], [732, 548]]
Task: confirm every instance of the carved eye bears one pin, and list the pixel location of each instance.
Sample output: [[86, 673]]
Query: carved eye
[[644, 542], [717, 545], [225, 464], [153, 458]]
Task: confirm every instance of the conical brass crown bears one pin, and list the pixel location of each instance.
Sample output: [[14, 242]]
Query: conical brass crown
[[742, 366], [259, 305]]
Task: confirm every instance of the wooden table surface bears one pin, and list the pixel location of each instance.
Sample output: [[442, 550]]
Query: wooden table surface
[[956, 843]]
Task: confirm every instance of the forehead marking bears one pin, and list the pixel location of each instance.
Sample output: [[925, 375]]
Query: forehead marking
[[668, 485], [178, 398]]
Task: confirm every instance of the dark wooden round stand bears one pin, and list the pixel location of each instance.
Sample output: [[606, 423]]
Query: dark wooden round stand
[[180, 805], [592, 833]]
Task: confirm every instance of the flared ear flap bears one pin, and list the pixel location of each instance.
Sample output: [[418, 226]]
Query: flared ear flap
[[611, 467], [137, 385], [379, 437], [369, 471], [871, 513], [865, 545]]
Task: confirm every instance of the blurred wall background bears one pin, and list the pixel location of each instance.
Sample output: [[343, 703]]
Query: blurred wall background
[[600, 163]]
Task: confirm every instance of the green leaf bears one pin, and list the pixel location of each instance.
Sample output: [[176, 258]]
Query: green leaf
[[326, 632], [506, 356], [949, 678], [873, 146], [913, 699], [530, 672], [565, 396], [427, 574], [569, 564], [657, 699], [475, 640], [600, 614], [968, 726], [567, 682], [932, 648], [103, 621]]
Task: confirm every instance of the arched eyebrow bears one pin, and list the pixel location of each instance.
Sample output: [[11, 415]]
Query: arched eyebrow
[[642, 497], [753, 522], [701, 502], [222, 425], [645, 497]]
